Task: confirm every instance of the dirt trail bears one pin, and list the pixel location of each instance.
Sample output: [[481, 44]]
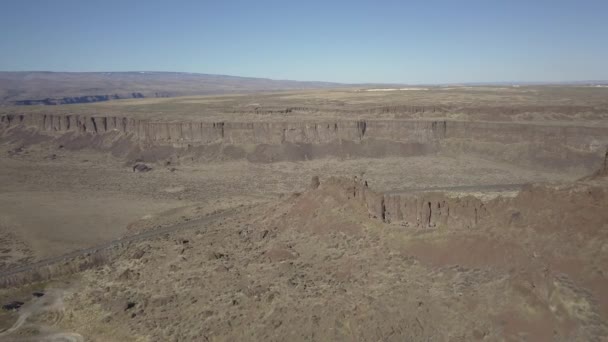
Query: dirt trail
[[50, 305]]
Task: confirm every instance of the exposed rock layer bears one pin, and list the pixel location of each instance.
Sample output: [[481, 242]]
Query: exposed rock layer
[[546, 145], [420, 210], [442, 210], [83, 99]]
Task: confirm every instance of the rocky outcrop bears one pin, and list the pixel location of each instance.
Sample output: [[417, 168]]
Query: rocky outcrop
[[602, 172], [81, 99], [141, 167], [419, 210], [314, 182], [434, 210], [547, 145], [232, 132], [439, 210]]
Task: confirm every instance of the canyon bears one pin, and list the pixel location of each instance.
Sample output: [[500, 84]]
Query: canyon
[[460, 213], [547, 145], [35, 88]]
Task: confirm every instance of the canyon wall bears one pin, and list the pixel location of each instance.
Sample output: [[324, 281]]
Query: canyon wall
[[82, 99], [422, 209], [548, 145], [574, 206]]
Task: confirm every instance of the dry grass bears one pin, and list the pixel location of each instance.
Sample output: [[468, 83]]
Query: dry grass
[[539, 103]]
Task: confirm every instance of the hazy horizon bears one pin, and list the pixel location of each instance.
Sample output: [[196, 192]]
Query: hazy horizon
[[431, 42], [496, 82]]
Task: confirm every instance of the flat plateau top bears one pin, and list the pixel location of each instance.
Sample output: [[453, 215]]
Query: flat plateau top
[[557, 104]]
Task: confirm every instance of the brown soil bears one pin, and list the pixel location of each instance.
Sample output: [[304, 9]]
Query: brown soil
[[459, 243]]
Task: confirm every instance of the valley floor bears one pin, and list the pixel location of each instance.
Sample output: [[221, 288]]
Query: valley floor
[[54, 201]]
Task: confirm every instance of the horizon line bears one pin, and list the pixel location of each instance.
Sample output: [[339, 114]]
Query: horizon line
[[465, 83]]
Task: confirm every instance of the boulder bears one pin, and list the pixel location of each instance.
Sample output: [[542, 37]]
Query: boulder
[[14, 305], [141, 167], [314, 182]]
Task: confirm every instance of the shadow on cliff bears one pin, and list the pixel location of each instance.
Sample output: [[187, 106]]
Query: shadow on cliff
[[546, 146]]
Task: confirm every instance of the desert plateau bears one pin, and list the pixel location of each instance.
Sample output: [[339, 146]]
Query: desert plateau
[[461, 213]]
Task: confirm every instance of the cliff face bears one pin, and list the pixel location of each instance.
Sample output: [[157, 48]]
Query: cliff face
[[434, 210], [548, 145], [602, 172], [604, 169], [529, 206], [420, 210], [82, 99], [230, 132]]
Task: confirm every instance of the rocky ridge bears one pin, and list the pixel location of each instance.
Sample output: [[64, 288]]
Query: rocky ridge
[[545, 145]]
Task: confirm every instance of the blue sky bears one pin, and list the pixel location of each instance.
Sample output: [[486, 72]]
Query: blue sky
[[433, 41]]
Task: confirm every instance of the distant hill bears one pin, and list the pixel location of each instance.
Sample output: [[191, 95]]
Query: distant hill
[[53, 88], [50, 88]]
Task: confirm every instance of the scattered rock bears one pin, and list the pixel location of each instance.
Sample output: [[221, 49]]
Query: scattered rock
[[314, 182], [141, 167], [138, 254], [15, 151], [14, 305], [516, 218], [130, 305], [219, 255], [127, 274], [38, 294]]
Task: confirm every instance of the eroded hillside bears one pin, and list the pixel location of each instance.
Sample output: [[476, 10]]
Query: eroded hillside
[[437, 214], [533, 126], [321, 265]]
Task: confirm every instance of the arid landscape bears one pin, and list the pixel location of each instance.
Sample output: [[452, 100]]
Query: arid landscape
[[370, 171], [415, 214]]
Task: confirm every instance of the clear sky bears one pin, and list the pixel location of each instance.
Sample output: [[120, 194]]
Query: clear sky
[[432, 41]]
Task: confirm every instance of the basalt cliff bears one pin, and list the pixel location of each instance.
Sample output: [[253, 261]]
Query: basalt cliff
[[547, 145]]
